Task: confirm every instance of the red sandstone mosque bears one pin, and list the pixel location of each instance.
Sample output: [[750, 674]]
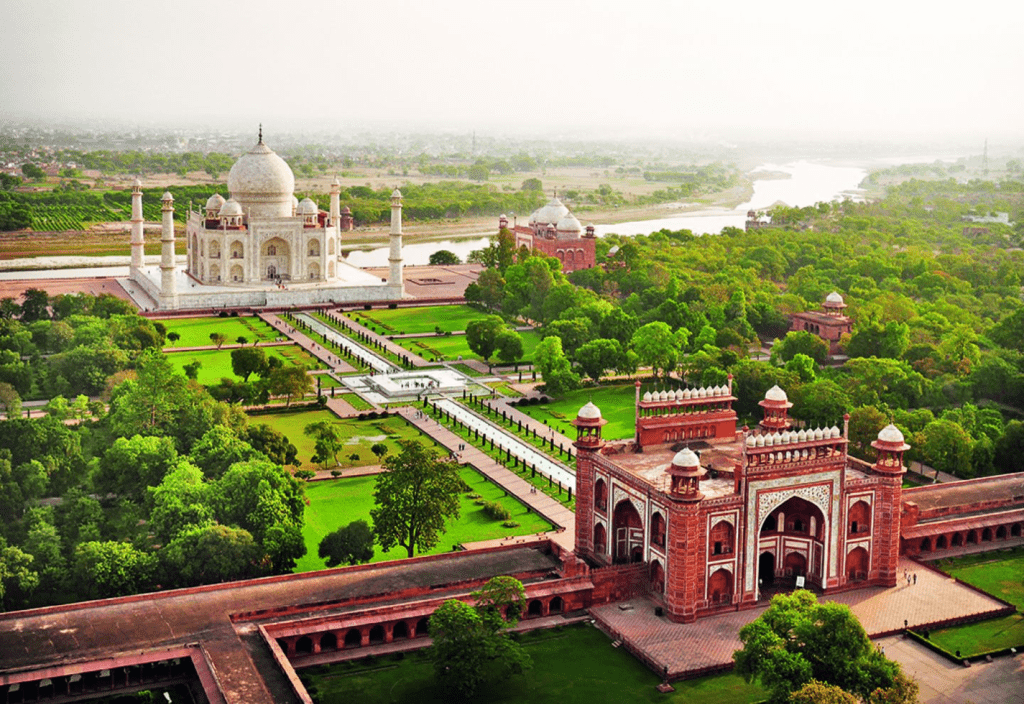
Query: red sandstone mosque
[[555, 231], [829, 325], [693, 514]]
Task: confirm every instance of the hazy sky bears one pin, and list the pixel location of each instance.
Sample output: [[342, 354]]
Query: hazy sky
[[893, 68]]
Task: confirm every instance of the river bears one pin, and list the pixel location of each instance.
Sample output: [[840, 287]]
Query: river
[[808, 183]]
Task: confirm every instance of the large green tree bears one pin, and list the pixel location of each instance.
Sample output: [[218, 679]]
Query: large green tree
[[655, 344], [797, 640], [554, 366], [415, 495], [351, 545], [482, 335], [471, 645]]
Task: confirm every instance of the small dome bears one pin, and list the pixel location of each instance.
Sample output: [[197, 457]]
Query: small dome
[[568, 226], [550, 213], [307, 207], [647, 397], [891, 433], [703, 392], [751, 441], [137, 183], [396, 193], [346, 210], [687, 394], [663, 396], [776, 394], [769, 440], [819, 434], [589, 412], [785, 437], [835, 431], [214, 202], [834, 298], [335, 182], [685, 458], [801, 436], [760, 440], [167, 196], [231, 208]]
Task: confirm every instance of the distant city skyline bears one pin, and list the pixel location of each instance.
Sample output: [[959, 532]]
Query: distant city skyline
[[587, 69]]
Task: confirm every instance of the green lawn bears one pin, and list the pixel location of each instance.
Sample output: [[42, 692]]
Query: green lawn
[[338, 502], [616, 404], [451, 347], [401, 321], [359, 435], [216, 364], [999, 574], [572, 664], [195, 332]]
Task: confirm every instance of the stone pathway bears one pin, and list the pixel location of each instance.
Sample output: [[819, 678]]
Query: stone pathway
[[543, 430], [390, 346], [942, 681], [336, 363], [544, 505], [709, 643]]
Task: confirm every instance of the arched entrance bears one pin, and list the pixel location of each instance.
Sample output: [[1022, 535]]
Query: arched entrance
[[797, 518], [720, 587], [766, 570], [857, 564], [276, 259], [600, 540], [795, 565], [629, 533]]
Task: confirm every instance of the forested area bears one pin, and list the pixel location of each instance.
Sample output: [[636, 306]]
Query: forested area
[[938, 339], [157, 485]]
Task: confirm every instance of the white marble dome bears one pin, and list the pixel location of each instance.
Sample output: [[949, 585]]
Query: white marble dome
[[307, 207], [550, 213], [214, 202], [231, 208], [262, 182], [776, 394], [834, 298], [891, 433], [589, 412], [647, 397], [568, 227], [685, 458]]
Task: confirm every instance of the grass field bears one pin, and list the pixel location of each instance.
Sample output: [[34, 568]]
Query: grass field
[[436, 348], [401, 321], [359, 435], [571, 664], [195, 332], [616, 404], [216, 364], [998, 574], [335, 503]]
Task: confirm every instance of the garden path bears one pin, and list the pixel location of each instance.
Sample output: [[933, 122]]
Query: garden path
[[508, 480], [390, 346], [337, 364], [543, 430]]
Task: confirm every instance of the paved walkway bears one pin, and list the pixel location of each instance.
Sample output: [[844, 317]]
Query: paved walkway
[[942, 681], [336, 363], [710, 642], [508, 480]]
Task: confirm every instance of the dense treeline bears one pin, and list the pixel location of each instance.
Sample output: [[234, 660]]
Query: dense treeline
[[140, 162], [938, 338], [161, 486]]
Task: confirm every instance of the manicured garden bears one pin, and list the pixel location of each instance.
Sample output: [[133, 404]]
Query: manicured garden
[[359, 435], [216, 364], [999, 574], [616, 403], [195, 332], [401, 321], [338, 502], [570, 664]]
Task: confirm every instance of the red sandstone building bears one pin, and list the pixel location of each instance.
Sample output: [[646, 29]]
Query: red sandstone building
[[555, 231], [754, 511], [829, 325]]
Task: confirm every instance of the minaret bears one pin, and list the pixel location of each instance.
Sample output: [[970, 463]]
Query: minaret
[[335, 202], [137, 240], [167, 284], [395, 257]]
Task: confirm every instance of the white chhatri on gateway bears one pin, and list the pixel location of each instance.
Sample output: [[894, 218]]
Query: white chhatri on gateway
[[259, 247]]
